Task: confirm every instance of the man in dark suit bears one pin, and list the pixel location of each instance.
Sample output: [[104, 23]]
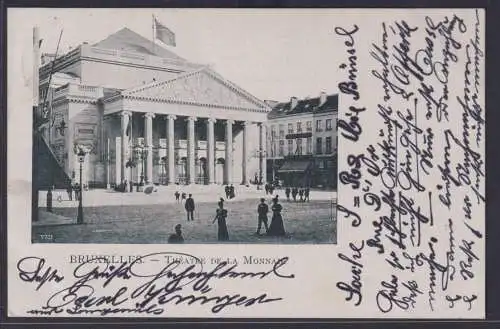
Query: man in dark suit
[[177, 236], [262, 210], [189, 205]]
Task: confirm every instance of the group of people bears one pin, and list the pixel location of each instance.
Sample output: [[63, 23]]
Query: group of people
[[303, 193], [269, 188], [276, 228], [229, 190]]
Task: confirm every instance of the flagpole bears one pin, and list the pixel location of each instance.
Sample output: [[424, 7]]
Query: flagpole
[[50, 80], [153, 29]]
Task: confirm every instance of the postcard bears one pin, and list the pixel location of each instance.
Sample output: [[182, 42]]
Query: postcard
[[240, 163]]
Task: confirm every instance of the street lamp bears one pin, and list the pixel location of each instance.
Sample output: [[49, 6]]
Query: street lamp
[[81, 160], [141, 154]]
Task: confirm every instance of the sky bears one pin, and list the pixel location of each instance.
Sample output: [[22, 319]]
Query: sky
[[272, 54]]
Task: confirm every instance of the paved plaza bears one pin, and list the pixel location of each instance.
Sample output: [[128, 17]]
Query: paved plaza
[[112, 217]]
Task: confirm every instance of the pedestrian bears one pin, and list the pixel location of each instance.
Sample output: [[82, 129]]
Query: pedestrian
[[177, 236], [227, 190], [49, 199], [301, 195], [267, 188], [294, 194], [177, 195], [183, 196], [287, 193], [77, 191], [271, 189], [220, 217], [125, 186], [262, 211], [276, 228], [189, 205], [306, 194], [70, 192], [231, 191]]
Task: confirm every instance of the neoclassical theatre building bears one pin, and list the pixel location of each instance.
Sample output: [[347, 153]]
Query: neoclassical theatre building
[[141, 110]]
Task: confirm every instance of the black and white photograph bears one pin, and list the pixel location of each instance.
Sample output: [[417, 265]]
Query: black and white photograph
[[247, 163], [183, 127]]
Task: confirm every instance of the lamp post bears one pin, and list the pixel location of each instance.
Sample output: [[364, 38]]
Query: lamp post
[[81, 159], [141, 154]]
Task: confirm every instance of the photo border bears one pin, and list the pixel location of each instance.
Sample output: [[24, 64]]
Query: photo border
[[492, 162]]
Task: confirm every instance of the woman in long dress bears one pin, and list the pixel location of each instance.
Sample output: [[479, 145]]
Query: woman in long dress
[[276, 228], [220, 217]]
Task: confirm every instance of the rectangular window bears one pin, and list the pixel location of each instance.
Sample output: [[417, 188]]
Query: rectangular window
[[318, 125], [282, 147], [299, 146], [309, 125], [319, 145], [290, 147], [328, 145], [282, 131], [299, 126], [309, 145], [328, 124], [290, 128]]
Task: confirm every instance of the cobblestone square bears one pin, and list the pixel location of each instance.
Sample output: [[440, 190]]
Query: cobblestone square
[[311, 222]]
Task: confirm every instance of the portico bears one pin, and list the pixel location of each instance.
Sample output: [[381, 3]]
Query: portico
[[194, 129]]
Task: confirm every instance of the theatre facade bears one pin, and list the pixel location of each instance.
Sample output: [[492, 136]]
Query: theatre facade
[[142, 113]]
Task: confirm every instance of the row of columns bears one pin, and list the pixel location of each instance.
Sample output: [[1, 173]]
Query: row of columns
[[170, 122]]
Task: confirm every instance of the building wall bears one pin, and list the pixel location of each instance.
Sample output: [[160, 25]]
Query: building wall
[[114, 75], [303, 118]]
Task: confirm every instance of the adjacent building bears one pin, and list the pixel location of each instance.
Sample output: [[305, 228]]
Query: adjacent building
[[302, 141], [145, 114]]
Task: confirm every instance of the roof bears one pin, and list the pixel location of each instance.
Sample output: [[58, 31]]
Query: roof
[[310, 105], [128, 40]]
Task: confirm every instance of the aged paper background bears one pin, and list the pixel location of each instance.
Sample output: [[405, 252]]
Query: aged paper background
[[318, 270]]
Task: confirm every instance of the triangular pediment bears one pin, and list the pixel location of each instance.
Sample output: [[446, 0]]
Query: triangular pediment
[[202, 87]]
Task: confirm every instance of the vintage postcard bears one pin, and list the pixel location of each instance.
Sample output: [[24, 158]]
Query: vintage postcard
[[246, 163]]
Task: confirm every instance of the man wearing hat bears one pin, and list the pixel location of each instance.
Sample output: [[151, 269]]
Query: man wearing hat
[[189, 205], [262, 210], [177, 236]]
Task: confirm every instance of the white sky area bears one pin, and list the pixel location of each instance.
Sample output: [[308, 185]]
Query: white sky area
[[273, 54]]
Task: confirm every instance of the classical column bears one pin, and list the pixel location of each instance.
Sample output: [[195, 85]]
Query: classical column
[[148, 123], [171, 148], [125, 119], [246, 139], [228, 163], [190, 150], [211, 150], [262, 150]]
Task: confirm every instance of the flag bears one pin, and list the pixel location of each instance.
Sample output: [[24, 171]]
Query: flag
[[164, 34]]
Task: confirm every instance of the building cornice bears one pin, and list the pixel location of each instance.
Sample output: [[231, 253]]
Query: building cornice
[[173, 101]]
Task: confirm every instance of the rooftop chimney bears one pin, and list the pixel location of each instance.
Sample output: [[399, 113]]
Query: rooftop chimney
[[322, 98], [293, 102]]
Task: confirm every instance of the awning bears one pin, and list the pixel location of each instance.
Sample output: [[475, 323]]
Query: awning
[[295, 166]]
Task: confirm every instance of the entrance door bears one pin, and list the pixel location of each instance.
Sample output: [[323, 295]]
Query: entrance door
[[219, 171]]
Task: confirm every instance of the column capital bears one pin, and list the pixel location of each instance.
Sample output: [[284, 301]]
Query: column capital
[[126, 113], [262, 124], [192, 119], [212, 120], [229, 122], [149, 115], [171, 117]]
